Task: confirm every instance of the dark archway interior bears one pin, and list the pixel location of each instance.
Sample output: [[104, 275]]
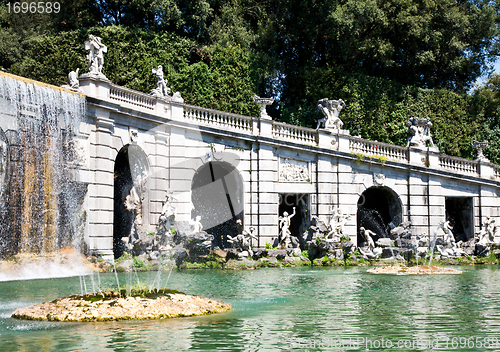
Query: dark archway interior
[[301, 204], [122, 217], [217, 196], [459, 214], [377, 208]]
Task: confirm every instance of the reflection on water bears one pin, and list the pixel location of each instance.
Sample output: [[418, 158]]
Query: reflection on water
[[276, 309]]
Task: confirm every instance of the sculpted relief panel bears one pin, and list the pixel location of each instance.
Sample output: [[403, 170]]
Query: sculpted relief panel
[[291, 170]]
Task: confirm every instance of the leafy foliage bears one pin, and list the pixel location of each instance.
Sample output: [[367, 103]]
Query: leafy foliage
[[388, 60]]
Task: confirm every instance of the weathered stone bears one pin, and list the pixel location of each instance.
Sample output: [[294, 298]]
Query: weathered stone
[[482, 250], [278, 253], [180, 254], [384, 242], [124, 265], [389, 252], [294, 252], [397, 231], [339, 254], [220, 253], [232, 253], [243, 254], [199, 243], [269, 259], [328, 245], [404, 242], [259, 253], [154, 255], [348, 247], [422, 251]]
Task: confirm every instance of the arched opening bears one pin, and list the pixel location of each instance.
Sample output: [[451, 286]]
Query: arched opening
[[217, 196], [379, 210], [130, 195]]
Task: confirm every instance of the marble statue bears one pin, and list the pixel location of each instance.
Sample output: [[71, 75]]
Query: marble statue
[[491, 228], [486, 235], [196, 224], [336, 225], [420, 132], [331, 109], [133, 203], [285, 234], [243, 240], [449, 239], [161, 83], [73, 82], [168, 213], [95, 56], [367, 236]]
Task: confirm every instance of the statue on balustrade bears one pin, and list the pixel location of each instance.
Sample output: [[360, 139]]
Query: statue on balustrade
[[73, 82], [95, 56], [161, 90], [420, 132], [161, 83], [331, 109]]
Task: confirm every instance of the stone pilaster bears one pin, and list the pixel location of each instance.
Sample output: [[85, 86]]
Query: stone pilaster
[[101, 190]]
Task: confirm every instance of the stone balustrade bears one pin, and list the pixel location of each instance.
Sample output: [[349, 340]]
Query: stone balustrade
[[342, 142], [459, 165], [372, 148], [217, 119], [132, 97], [296, 134]]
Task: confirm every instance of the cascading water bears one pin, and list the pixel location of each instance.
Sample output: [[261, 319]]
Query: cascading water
[[40, 201]]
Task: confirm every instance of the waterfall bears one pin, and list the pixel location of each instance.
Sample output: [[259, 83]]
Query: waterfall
[[40, 199]]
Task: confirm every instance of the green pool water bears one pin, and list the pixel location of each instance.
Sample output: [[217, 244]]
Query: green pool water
[[279, 309]]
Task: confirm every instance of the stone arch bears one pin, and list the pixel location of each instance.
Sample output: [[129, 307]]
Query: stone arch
[[378, 209], [217, 196], [130, 200]]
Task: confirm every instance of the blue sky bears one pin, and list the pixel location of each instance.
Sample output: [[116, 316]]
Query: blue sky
[[482, 80]]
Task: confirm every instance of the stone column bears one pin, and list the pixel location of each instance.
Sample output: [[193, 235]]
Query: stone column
[[159, 176], [180, 172], [268, 199], [101, 190]]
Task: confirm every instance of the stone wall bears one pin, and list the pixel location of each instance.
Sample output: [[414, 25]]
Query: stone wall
[[332, 169]]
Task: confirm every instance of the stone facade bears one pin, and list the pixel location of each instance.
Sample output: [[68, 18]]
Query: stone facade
[[267, 167]]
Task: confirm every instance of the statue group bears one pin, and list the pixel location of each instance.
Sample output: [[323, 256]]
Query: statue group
[[331, 110]]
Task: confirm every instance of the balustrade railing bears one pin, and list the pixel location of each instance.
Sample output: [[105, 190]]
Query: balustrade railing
[[496, 171], [131, 97], [218, 119], [389, 151], [297, 134], [458, 165], [292, 133]]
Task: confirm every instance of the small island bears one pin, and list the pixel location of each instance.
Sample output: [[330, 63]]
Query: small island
[[112, 305], [413, 270]]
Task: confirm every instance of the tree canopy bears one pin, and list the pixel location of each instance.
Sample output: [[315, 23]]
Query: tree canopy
[[388, 59]]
